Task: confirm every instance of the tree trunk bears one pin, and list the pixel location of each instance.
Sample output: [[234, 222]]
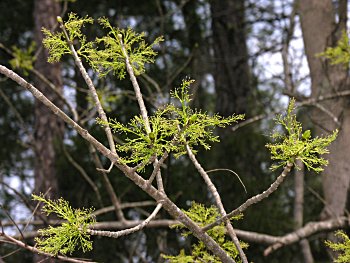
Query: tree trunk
[[48, 128], [231, 74], [194, 42], [299, 210], [320, 29]]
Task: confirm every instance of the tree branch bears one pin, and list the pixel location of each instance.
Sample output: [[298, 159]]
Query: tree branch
[[129, 230], [108, 185], [218, 201], [142, 106], [37, 251], [83, 174], [92, 89], [309, 229], [255, 199], [160, 197]]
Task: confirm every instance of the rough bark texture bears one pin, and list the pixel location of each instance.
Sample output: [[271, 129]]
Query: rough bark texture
[[48, 129], [320, 30], [231, 74]]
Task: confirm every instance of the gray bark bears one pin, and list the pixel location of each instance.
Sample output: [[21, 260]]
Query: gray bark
[[320, 30]]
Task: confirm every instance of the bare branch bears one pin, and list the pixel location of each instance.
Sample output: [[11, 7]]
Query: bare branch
[[159, 196], [129, 230], [156, 168], [37, 251], [41, 97], [48, 83], [218, 201], [107, 183], [306, 231], [299, 103], [92, 89], [141, 103], [57, 92], [298, 212], [123, 206], [83, 174], [136, 86], [255, 199], [309, 229]]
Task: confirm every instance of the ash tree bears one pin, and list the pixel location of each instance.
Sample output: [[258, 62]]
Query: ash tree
[[148, 139]]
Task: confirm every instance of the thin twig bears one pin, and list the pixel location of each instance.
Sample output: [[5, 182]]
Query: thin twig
[[14, 223], [10, 253], [26, 203], [92, 89], [156, 168], [154, 83], [57, 92], [255, 199], [35, 250], [122, 206], [160, 197], [249, 121], [135, 85], [218, 201], [128, 231], [229, 170], [106, 171], [308, 230], [83, 174], [327, 112], [15, 111], [35, 211], [19, 194], [142, 106], [108, 185]]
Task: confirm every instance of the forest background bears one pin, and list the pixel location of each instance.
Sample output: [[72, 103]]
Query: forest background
[[247, 57]]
